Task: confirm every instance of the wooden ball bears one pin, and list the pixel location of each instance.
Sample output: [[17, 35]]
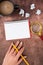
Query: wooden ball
[[7, 7]]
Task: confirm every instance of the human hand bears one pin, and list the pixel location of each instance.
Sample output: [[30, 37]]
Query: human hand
[[11, 57]]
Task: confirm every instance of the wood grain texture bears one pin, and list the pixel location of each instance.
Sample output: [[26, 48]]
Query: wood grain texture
[[34, 45]]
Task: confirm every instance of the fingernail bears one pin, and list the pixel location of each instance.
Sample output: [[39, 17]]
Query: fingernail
[[21, 43], [12, 43], [18, 41], [25, 56]]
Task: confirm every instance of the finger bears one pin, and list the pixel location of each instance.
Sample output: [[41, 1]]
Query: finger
[[10, 48], [19, 53], [12, 51], [15, 53], [17, 43], [20, 45], [21, 60]]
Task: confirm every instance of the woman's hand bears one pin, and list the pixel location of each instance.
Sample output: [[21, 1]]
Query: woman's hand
[[11, 57]]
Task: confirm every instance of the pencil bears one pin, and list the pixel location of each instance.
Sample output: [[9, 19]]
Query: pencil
[[26, 62]]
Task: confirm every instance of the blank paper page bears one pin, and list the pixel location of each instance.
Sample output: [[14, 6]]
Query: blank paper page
[[17, 30]]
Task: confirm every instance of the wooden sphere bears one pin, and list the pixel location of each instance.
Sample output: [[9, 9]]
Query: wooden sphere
[[7, 7]]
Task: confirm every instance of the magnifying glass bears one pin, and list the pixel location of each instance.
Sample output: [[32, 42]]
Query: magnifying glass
[[36, 28]]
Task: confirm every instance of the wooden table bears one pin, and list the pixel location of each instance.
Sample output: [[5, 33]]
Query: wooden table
[[33, 46]]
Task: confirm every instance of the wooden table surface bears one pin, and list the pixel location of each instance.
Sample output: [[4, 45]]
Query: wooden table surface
[[34, 45]]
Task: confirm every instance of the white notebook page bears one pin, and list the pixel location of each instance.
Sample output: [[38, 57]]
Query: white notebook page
[[17, 29]]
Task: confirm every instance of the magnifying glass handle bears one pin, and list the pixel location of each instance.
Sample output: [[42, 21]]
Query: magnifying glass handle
[[41, 37]]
